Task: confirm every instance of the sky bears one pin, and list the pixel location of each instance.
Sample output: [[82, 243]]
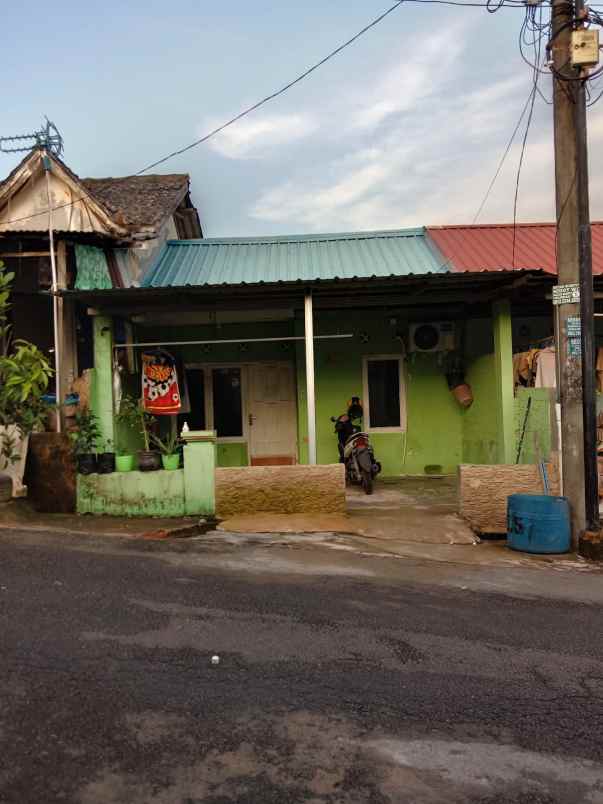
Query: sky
[[404, 128]]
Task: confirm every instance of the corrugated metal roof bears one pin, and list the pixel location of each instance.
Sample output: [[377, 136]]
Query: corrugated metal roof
[[490, 247], [256, 260]]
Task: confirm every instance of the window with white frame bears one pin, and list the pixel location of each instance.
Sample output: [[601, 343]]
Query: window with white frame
[[384, 403]]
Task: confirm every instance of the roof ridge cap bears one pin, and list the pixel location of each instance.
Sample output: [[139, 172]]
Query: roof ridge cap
[[418, 231]]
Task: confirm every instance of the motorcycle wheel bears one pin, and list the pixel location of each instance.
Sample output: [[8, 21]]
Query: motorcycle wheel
[[367, 481]]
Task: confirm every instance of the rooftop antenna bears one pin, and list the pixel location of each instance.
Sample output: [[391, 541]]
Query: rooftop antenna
[[47, 138]]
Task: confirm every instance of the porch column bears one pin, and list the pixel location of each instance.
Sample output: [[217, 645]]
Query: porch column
[[102, 394], [309, 338], [503, 378], [200, 472]]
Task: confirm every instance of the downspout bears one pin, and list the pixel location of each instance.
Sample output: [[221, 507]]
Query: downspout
[[55, 286]]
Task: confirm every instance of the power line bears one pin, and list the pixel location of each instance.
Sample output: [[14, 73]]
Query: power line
[[505, 4], [503, 157], [519, 166], [278, 92], [535, 77], [245, 112]]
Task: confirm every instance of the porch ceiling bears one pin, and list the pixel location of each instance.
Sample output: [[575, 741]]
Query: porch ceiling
[[411, 290]]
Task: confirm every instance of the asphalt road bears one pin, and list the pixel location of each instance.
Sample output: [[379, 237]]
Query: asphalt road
[[339, 683]]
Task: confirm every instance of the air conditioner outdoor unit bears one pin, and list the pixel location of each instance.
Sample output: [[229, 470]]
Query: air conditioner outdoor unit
[[435, 336]]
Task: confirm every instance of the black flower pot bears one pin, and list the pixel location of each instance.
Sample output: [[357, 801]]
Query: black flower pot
[[149, 460], [106, 463], [6, 488], [86, 463]]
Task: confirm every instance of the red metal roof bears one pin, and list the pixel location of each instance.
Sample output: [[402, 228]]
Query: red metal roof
[[490, 247]]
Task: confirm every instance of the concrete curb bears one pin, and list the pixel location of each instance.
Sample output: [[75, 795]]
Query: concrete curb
[[179, 532]]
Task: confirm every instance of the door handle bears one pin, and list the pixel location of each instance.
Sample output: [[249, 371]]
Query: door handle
[[251, 419]]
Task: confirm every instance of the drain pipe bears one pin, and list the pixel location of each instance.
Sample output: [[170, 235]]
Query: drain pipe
[[55, 286]]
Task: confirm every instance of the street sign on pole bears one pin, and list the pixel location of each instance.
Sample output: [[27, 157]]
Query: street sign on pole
[[566, 294]]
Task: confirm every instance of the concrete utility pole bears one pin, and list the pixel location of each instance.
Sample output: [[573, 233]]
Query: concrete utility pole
[[574, 320]]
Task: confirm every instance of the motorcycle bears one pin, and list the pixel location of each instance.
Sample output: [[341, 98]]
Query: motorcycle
[[355, 450]]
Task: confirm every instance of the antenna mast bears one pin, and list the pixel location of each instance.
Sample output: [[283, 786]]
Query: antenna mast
[[48, 138]]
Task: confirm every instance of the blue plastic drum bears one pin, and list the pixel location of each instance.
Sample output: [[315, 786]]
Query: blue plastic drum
[[537, 523]]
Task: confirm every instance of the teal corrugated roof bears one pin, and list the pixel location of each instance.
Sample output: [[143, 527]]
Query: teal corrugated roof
[[298, 258]]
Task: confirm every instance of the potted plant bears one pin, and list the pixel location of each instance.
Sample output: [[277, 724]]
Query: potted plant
[[84, 438], [8, 457], [132, 414], [24, 376], [455, 377], [106, 459], [124, 462], [170, 453], [128, 418], [148, 459]]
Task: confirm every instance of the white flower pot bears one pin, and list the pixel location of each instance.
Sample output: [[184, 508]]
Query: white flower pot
[[16, 470]]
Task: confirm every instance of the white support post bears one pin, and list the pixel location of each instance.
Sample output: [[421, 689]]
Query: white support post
[[57, 307], [309, 338]]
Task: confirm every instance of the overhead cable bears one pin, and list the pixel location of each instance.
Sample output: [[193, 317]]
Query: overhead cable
[[503, 157], [535, 77]]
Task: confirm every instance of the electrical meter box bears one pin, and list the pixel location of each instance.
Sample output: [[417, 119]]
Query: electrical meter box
[[585, 47]]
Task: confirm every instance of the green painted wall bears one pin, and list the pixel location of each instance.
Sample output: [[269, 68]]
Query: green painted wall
[[232, 454], [503, 375], [479, 428], [434, 425], [190, 491], [539, 424], [228, 454], [228, 352], [439, 432], [132, 494]]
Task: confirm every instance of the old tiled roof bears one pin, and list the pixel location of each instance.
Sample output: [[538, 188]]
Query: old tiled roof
[[490, 247], [137, 202], [140, 201]]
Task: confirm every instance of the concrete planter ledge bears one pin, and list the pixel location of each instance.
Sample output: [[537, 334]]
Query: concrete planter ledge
[[157, 493], [483, 491], [240, 490]]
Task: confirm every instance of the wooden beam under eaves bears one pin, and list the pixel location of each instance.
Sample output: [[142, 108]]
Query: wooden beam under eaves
[[19, 254]]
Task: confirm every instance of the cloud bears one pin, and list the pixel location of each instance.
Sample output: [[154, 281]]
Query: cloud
[[411, 141], [254, 137], [427, 63], [424, 150]]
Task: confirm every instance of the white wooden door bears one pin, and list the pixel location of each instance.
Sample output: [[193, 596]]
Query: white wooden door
[[272, 413]]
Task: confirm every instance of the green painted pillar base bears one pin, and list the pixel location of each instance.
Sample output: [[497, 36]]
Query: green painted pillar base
[[200, 472], [102, 397]]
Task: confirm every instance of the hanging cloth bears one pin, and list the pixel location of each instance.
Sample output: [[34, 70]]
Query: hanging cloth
[[92, 269], [546, 375], [117, 383], [160, 393]]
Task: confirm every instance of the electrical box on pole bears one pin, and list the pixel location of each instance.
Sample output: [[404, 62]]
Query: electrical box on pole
[[584, 50]]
